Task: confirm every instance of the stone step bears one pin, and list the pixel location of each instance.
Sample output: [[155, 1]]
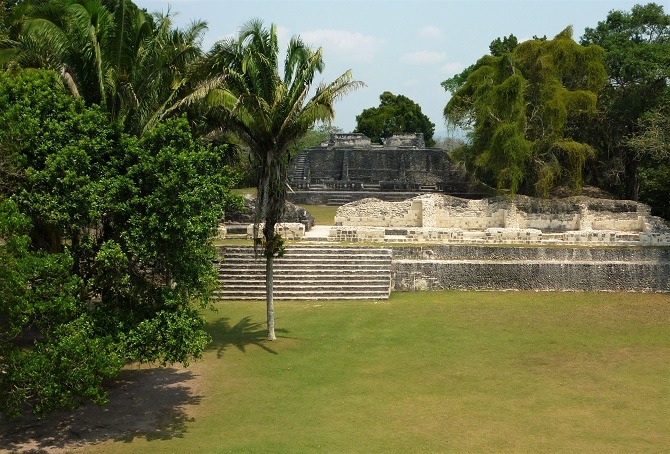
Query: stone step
[[320, 272], [228, 281], [308, 275], [296, 250], [307, 256], [322, 265], [293, 273], [308, 297], [259, 294], [283, 289]]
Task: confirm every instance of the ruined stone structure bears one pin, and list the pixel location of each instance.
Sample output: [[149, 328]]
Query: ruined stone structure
[[351, 163], [542, 268], [571, 244], [501, 220]]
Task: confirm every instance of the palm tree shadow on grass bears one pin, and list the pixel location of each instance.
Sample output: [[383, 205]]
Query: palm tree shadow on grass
[[240, 335]]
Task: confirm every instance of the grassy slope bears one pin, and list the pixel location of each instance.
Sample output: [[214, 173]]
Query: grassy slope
[[435, 372]]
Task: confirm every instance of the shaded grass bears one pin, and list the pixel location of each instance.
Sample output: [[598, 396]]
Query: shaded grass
[[322, 214], [436, 372]]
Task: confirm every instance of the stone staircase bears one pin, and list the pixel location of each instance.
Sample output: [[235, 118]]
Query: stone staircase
[[298, 170], [339, 199], [306, 273]]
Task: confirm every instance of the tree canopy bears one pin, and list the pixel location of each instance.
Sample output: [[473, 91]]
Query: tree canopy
[[104, 244], [395, 114], [523, 108], [637, 46], [498, 48], [133, 64]]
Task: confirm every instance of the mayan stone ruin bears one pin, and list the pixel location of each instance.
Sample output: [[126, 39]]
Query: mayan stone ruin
[[408, 219], [501, 220], [349, 167]]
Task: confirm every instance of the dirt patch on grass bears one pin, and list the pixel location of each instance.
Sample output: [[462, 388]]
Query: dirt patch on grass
[[154, 403]]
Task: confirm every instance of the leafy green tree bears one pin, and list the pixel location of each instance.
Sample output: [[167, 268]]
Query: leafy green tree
[[504, 46], [9, 12], [524, 109], [269, 112], [498, 48], [114, 54], [652, 144], [65, 363], [105, 244], [637, 45], [653, 139], [395, 114], [4, 13]]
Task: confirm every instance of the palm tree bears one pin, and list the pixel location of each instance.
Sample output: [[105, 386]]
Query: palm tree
[[268, 112], [113, 54]]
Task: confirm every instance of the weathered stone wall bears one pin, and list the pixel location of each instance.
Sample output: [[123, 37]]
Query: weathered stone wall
[[372, 165], [560, 254], [377, 213], [554, 276], [530, 268], [550, 216], [520, 220], [405, 140], [351, 235], [355, 140], [456, 213]]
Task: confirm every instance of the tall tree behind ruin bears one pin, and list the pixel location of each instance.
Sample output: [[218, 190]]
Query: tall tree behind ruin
[[523, 109], [637, 46], [395, 114]]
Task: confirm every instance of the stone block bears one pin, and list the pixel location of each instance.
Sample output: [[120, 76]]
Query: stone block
[[439, 235], [287, 230], [512, 236], [655, 239], [354, 234], [592, 237], [290, 230]]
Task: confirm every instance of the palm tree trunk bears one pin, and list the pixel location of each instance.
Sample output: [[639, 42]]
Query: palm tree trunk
[[269, 284]]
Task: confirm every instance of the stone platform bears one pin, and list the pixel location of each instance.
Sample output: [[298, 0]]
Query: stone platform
[[313, 271], [436, 218], [437, 242], [442, 267]]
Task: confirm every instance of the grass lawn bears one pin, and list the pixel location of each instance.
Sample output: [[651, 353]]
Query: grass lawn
[[322, 214], [433, 372]]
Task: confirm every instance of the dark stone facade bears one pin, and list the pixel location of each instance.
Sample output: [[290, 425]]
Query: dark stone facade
[[350, 162]]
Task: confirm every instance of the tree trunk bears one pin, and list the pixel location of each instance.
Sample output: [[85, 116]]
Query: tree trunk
[[632, 185], [269, 284]]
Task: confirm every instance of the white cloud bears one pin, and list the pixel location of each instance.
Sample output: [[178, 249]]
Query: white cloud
[[423, 57], [431, 32], [355, 45], [451, 69], [283, 34]]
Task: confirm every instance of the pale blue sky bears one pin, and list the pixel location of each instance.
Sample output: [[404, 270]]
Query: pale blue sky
[[403, 46]]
